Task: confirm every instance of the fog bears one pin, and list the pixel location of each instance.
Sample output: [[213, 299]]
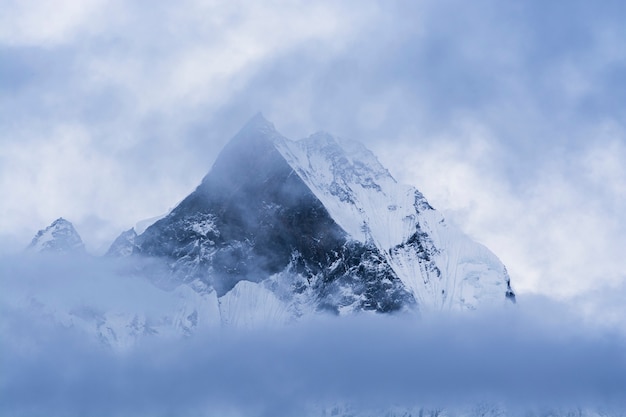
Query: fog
[[535, 355]]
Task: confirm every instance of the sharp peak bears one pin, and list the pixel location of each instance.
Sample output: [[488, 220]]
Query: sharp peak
[[60, 223], [256, 137], [60, 230], [258, 123], [258, 128]]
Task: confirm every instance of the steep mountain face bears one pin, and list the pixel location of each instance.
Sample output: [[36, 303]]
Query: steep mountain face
[[276, 230], [254, 219], [59, 237], [123, 245], [440, 266], [318, 224]]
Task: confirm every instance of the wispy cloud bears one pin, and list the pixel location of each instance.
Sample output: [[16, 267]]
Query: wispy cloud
[[141, 86], [537, 354]]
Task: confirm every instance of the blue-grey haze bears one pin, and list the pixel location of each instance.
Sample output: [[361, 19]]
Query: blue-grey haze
[[536, 355], [509, 116]]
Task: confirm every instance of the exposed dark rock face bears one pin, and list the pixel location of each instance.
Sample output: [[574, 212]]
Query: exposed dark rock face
[[252, 217]]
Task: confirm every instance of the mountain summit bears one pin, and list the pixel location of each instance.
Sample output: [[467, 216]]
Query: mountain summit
[[318, 224], [59, 237], [280, 229]]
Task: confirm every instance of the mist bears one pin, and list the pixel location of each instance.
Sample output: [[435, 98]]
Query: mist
[[535, 355], [508, 116]]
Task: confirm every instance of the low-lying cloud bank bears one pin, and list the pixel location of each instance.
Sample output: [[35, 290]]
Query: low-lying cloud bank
[[535, 355]]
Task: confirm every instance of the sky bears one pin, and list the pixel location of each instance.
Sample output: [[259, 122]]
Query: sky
[[510, 117]]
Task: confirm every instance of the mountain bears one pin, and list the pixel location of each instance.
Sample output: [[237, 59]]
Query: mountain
[[123, 245], [59, 237], [318, 225], [277, 229]]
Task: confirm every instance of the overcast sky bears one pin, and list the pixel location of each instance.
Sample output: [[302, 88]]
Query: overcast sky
[[509, 116]]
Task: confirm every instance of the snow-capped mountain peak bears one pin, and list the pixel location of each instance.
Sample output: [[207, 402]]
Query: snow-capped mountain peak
[[59, 237], [279, 229], [257, 124], [326, 214]]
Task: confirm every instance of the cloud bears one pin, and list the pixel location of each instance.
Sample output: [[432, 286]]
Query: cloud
[[557, 228], [537, 354], [496, 113], [509, 117], [367, 362], [141, 86], [142, 100], [37, 23]]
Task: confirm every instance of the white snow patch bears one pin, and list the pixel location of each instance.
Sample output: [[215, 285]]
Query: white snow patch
[[367, 202], [251, 305]]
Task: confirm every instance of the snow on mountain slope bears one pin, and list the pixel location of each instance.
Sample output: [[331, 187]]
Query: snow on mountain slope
[[449, 270], [251, 305], [441, 266], [253, 218], [59, 237], [361, 195], [329, 215], [281, 229]]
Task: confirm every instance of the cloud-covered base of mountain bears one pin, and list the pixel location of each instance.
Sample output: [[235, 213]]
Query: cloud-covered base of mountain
[[534, 355]]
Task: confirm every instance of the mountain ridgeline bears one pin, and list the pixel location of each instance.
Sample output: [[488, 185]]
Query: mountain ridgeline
[[280, 229], [60, 237], [253, 217], [323, 225]]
